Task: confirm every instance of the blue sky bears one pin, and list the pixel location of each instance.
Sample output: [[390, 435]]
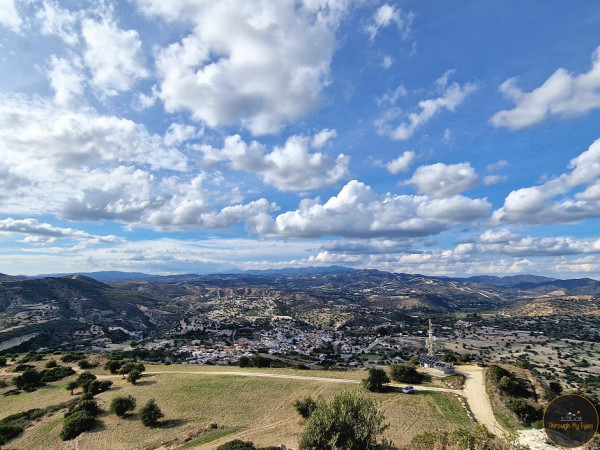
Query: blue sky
[[440, 138]]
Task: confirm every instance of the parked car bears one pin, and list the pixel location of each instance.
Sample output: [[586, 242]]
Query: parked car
[[408, 390]]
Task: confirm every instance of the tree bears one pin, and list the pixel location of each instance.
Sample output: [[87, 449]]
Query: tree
[[405, 373], [75, 424], [50, 364], [150, 413], [71, 386], [350, 421], [305, 407], [133, 376], [244, 361], [449, 358], [29, 380], [2, 361], [121, 405], [555, 387], [376, 379], [237, 444], [112, 366]]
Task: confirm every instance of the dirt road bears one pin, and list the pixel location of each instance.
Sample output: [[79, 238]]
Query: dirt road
[[474, 391]]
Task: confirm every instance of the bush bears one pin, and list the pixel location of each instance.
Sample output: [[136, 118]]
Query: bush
[[50, 364], [237, 444], [260, 361], [2, 361], [133, 376], [150, 413], [29, 380], [121, 405], [85, 364], [497, 372], [8, 432], [95, 387], [462, 438], [84, 378], [113, 366], [56, 373], [405, 373], [89, 406], [526, 412], [244, 361], [376, 379], [305, 407], [72, 356], [75, 424], [349, 421]]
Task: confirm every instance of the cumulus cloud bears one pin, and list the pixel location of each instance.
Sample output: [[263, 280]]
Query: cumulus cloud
[[452, 96], [113, 55], [498, 165], [43, 233], [387, 15], [289, 168], [442, 180], [357, 211], [66, 79], [9, 16], [58, 21], [538, 204], [562, 94], [402, 163], [258, 66], [494, 179]]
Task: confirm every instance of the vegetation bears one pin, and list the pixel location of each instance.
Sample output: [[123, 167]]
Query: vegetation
[[375, 380], [150, 413], [405, 373], [133, 376], [75, 424], [350, 421], [29, 380], [2, 361], [237, 444], [121, 405], [305, 407], [460, 439]]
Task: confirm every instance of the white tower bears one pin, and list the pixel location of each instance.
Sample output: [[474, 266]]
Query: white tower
[[430, 341]]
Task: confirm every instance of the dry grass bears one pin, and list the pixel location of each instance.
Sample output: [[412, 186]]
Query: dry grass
[[249, 408]]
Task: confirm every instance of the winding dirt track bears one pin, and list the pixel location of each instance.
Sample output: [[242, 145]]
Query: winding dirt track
[[474, 391]]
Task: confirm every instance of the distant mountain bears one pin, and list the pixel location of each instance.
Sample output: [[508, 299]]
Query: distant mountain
[[508, 281], [104, 276], [4, 277], [294, 271]]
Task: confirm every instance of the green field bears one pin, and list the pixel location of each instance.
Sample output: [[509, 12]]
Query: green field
[[246, 407]]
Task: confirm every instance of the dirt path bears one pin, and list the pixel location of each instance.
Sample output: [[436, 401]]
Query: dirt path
[[478, 399], [474, 391]]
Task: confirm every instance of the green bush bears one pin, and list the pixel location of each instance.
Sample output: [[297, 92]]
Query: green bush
[[2, 361], [75, 424], [56, 373], [29, 380], [113, 366], [150, 413], [133, 376], [405, 373], [237, 444], [350, 421], [121, 405], [89, 406], [305, 407], [50, 364], [497, 372], [72, 356], [8, 432], [375, 380], [524, 410], [244, 361]]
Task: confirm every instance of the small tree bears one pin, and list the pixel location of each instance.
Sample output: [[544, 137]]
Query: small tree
[[305, 407], [50, 364], [71, 386], [376, 379], [121, 405], [405, 373], [113, 366], [350, 421], [2, 361], [237, 444], [29, 380], [75, 424], [150, 413], [133, 376], [244, 361]]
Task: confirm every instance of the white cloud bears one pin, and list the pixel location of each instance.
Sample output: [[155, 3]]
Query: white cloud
[[113, 56], [402, 163], [391, 97], [58, 21], [498, 165], [357, 211], [442, 180], [494, 179], [387, 62], [260, 67], [66, 79], [44, 233], [9, 16], [289, 168], [387, 15], [322, 137], [563, 94], [453, 96], [538, 204]]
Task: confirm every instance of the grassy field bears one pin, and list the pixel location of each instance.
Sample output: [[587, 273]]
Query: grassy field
[[249, 408]]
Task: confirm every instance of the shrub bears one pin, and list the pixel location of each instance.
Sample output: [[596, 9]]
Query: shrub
[[376, 379], [75, 424], [113, 366], [237, 444], [150, 413], [84, 364], [524, 410], [260, 361], [29, 380], [84, 378], [2, 361], [133, 376], [72, 356], [305, 407], [89, 406], [8, 432], [120, 405], [50, 364], [244, 361], [405, 373], [56, 373], [497, 372], [349, 421], [95, 387]]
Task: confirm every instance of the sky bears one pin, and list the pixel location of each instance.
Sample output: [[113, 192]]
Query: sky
[[195, 136]]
